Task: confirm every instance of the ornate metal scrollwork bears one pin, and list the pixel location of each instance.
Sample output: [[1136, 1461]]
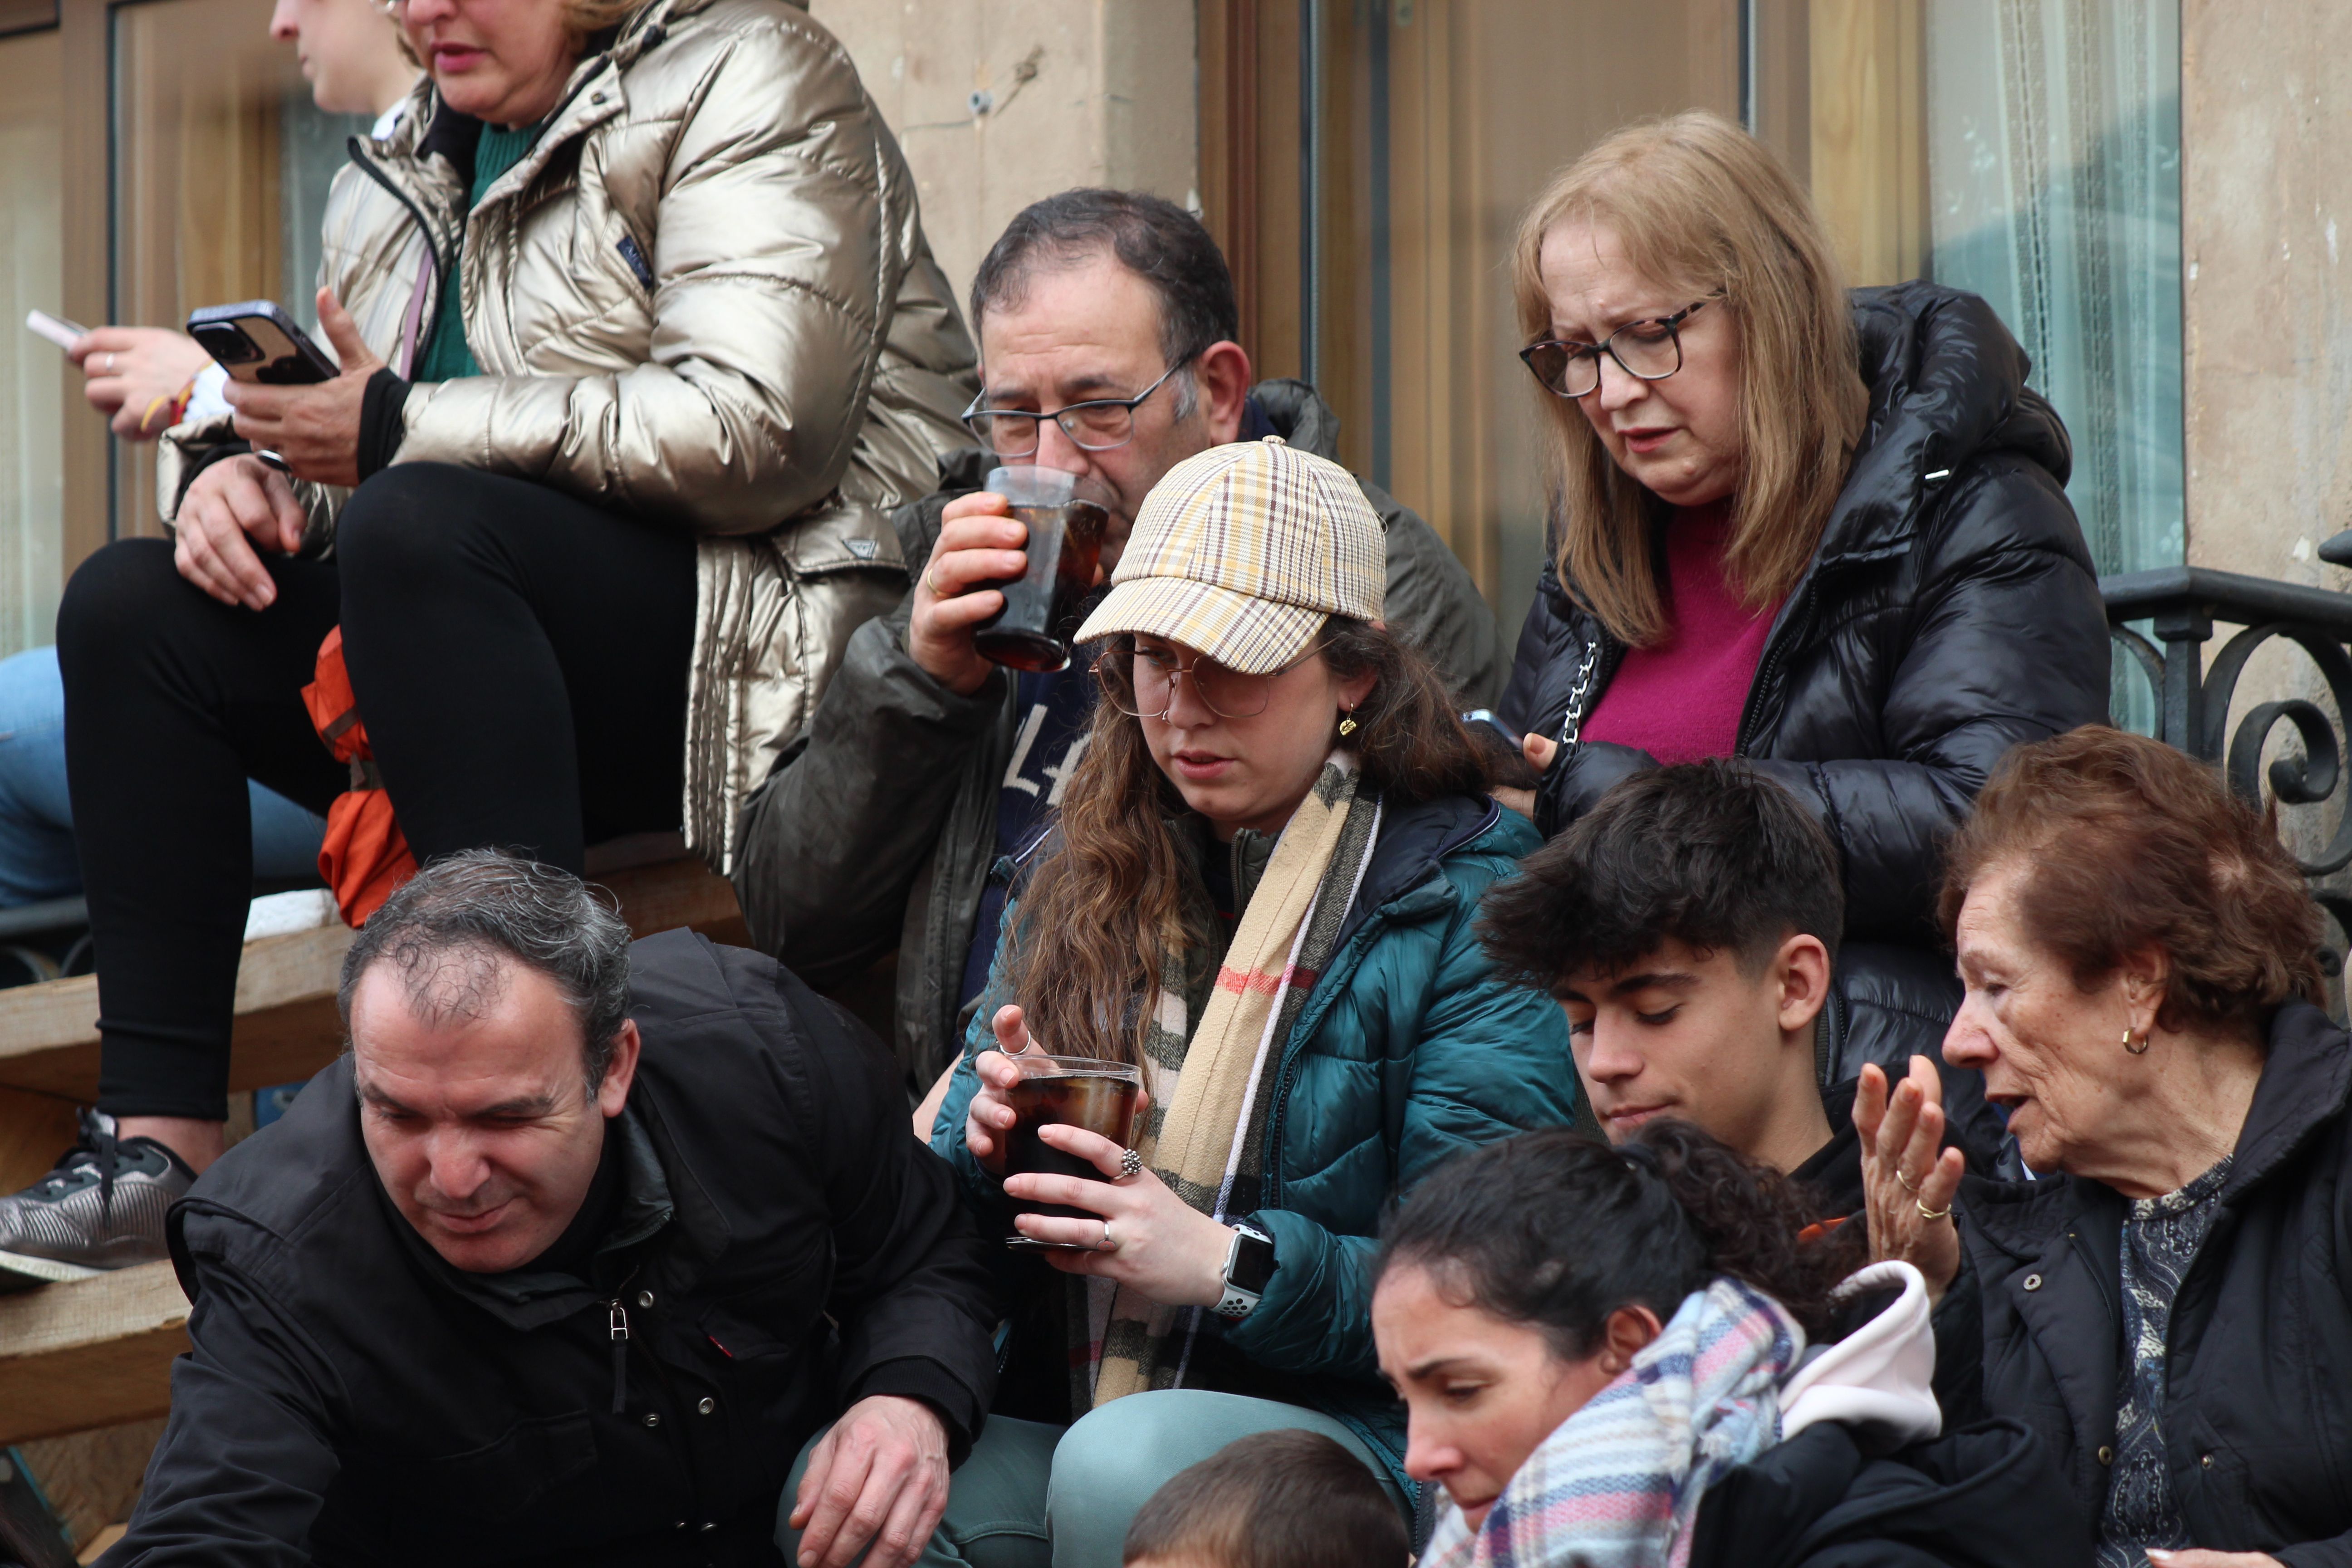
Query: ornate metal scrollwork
[[2307, 780], [2192, 699]]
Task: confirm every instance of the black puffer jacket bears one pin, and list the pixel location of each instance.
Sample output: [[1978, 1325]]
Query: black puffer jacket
[[1951, 612], [1985, 1498], [2257, 1428]]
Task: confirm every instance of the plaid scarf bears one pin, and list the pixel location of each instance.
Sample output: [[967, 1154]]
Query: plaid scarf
[[1211, 1087], [1617, 1484]]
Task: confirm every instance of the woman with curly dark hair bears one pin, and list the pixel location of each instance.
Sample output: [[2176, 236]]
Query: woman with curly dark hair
[[1262, 893], [1634, 1356]]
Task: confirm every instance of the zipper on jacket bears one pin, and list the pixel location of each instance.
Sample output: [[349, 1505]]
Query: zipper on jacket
[[1752, 712], [620, 1332], [431, 318]]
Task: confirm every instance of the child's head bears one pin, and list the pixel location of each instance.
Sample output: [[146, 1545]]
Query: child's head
[[1273, 1500], [1688, 925]]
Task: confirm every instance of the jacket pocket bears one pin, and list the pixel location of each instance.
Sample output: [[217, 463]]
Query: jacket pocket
[[499, 1481]]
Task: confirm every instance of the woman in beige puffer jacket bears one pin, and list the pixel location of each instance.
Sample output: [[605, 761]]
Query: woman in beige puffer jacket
[[618, 501]]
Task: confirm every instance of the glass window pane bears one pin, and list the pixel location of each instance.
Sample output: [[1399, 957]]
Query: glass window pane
[[33, 381], [221, 170], [2055, 168]]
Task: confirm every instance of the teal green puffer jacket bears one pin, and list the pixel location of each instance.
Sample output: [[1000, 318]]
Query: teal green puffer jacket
[[1408, 1050]]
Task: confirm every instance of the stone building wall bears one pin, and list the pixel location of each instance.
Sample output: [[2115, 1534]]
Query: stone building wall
[[998, 102]]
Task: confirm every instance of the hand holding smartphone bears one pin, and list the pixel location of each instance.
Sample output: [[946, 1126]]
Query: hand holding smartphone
[[259, 345], [56, 329]]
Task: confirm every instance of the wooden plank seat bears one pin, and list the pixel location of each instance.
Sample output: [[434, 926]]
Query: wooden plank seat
[[94, 1352]]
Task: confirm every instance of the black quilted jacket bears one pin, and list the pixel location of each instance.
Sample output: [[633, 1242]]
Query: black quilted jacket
[[1951, 612]]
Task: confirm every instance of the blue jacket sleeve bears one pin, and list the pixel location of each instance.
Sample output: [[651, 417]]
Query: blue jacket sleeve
[[1492, 1059]]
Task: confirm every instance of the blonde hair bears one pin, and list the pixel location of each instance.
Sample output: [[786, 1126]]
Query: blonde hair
[[586, 18], [1700, 206]]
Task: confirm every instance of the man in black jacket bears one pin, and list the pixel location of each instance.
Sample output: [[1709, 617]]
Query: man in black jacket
[[565, 1260], [1106, 321], [1688, 923]]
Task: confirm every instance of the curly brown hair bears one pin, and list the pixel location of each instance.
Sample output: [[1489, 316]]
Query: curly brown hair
[[1557, 1230], [1116, 887], [2128, 844]]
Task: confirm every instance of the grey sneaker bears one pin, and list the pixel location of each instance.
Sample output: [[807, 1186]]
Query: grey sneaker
[[102, 1206]]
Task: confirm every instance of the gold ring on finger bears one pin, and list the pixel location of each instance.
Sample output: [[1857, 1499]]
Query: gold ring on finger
[[1927, 1213], [1906, 1182]]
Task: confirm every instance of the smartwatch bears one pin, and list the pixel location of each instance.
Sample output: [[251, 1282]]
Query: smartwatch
[[1249, 1264]]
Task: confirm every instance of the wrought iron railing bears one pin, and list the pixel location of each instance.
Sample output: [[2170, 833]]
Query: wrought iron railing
[[2193, 694]]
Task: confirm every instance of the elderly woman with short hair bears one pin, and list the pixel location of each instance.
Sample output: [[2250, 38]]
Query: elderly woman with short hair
[[1821, 531], [2166, 1303], [640, 342]]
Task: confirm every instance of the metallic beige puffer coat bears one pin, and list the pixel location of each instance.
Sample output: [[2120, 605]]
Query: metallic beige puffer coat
[[703, 298]]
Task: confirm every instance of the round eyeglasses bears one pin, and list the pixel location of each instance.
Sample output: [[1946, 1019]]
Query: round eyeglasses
[[1096, 425], [1649, 350], [1142, 682]]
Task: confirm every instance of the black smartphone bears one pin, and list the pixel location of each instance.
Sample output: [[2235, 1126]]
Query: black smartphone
[[256, 342], [1506, 766]]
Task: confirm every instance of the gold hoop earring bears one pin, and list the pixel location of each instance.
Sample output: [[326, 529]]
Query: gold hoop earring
[[2139, 1050], [1346, 723]]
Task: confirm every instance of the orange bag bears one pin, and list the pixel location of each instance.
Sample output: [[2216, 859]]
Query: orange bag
[[364, 856]]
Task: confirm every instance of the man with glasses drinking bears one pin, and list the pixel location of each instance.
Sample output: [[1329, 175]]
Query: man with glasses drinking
[[1106, 323]]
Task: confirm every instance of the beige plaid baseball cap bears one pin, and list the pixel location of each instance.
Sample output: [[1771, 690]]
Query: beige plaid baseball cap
[[1242, 552]]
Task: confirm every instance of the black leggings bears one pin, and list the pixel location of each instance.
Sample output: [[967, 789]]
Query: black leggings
[[520, 659]]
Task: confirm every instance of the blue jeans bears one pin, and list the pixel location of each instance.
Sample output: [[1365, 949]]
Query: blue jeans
[[36, 841], [1033, 1496]]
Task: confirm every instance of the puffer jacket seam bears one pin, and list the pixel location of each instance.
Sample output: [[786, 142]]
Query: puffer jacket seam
[[1821, 784], [847, 309]]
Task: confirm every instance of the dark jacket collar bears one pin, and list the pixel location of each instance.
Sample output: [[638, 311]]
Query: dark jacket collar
[[530, 1298], [1947, 382], [1413, 843], [1295, 412], [2307, 1074], [1833, 1174]]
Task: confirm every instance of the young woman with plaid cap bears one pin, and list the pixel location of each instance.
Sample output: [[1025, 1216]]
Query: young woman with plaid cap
[[1260, 891]]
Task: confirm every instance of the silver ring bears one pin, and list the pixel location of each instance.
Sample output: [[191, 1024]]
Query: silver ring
[[1130, 1164], [1106, 1243], [110, 363]]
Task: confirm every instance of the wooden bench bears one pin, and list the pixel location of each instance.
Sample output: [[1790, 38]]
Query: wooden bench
[[97, 1352]]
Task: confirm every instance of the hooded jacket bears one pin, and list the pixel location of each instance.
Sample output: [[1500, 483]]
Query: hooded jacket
[[702, 298], [1408, 1050], [1950, 611], [879, 827], [783, 1249], [2257, 1429], [1867, 1476], [1983, 1497]]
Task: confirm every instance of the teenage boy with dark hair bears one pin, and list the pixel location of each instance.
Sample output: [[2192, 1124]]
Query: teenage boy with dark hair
[[1688, 926]]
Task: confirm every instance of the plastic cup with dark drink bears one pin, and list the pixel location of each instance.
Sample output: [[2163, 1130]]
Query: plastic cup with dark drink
[[1072, 1091], [1065, 515]]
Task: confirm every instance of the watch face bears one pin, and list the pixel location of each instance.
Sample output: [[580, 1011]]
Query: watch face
[[1252, 1263]]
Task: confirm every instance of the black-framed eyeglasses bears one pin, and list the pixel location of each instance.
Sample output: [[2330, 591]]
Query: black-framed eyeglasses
[[1650, 350], [1142, 682], [1098, 425]]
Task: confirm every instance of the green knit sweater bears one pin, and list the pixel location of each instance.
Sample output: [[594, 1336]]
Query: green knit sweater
[[448, 356]]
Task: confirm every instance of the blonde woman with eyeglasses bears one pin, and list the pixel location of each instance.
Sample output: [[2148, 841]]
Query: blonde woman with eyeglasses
[[1260, 893], [1823, 530]]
